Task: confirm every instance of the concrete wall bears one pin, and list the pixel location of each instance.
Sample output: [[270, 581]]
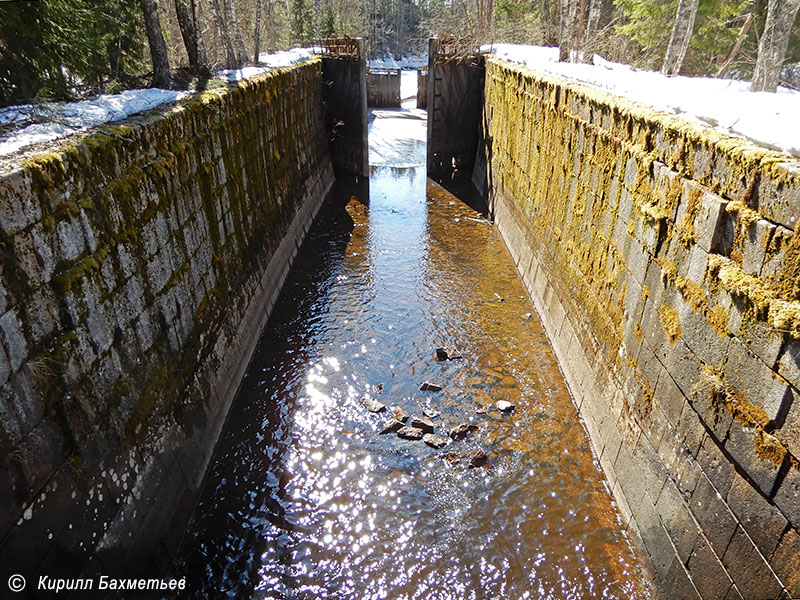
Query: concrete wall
[[663, 262], [422, 88], [138, 268], [383, 88], [455, 103], [345, 96]]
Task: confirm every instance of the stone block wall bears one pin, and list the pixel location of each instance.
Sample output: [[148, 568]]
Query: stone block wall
[[663, 261], [137, 269]]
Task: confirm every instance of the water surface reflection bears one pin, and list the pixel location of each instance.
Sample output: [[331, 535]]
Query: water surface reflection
[[306, 500]]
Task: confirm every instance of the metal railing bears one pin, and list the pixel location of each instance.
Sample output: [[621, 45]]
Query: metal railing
[[344, 47]]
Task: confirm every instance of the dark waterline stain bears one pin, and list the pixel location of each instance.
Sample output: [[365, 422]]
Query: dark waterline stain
[[304, 498]]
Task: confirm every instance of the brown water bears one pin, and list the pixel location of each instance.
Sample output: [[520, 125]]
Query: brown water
[[306, 500]]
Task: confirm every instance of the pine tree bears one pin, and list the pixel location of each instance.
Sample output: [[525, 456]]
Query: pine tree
[[328, 22], [302, 21]]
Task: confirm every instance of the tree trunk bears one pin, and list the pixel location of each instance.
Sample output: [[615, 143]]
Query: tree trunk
[[774, 41], [201, 47], [158, 49], [681, 34], [548, 25], [257, 35], [592, 23], [231, 61], [567, 31], [236, 30], [188, 33]]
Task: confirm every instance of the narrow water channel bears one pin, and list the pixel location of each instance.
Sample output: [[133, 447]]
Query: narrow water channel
[[305, 499]]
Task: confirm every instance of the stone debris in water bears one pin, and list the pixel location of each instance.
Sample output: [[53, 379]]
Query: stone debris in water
[[459, 432], [446, 354], [505, 406], [391, 426], [422, 423], [400, 414], [452, 457], [434, 441], [431, 414], [410, 433], [373, 405], [479, 459], [427, 386]]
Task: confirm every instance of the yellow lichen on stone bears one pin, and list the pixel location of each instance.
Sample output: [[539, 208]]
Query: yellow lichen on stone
[[670, 323], [785, 317], [740, 283], [692, 292], [718, 321]]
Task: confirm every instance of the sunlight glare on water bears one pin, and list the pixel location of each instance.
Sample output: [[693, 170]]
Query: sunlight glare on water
[[305, 499]]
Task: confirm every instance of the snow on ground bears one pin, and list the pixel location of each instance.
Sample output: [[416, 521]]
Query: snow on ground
[[414, 61], [58, 120], [728, 105], [397, 137], [267, 62], [61, 120], [408, 85]]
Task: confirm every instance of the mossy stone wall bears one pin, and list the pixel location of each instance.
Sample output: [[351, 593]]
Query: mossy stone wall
[[137, 268], [663, 261]]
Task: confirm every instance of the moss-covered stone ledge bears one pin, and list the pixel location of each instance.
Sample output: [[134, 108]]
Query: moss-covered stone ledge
[[663, 261], [137, 268]]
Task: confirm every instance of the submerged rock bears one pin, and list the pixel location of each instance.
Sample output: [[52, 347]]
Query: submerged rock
[[431, 414], [434, 441], [505, 406], [446, 354], [410, 433], [479, 459], [391, 426], [459, 432], [373, 405], [452, 457], [422, 423], [400, 414], [427, 386]]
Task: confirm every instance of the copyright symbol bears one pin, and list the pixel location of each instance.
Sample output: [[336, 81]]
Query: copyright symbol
[[16, 583]]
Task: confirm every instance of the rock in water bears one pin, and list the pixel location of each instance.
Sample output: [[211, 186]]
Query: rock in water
[[459, 432], [505, 406], [400, 414], [431, 414], [390, 426], [434, 441], [451, 457], [373, 405], [410, 433], [427, 386], [446, 354], [479, 459], [422, 423]]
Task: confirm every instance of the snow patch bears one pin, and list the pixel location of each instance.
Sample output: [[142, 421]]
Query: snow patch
[[62, 120], [413, 61], [58, 120], [267, 62], [728, 105]]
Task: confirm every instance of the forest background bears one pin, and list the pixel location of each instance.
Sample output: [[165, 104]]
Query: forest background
[[62, 49]]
